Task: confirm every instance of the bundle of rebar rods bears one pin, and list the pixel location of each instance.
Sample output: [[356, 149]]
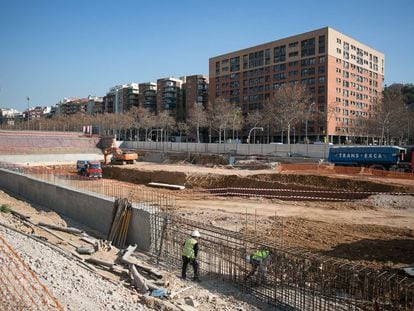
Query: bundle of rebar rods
[[121, 217]]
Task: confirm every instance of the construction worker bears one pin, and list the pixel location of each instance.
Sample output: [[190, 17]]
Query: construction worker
[[190, 251], [259, 260]]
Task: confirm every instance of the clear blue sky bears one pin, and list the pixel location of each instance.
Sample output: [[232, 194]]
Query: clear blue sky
[[55, 49]]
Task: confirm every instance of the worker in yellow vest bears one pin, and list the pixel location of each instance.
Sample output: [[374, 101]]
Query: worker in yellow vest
[[259, 260], [190, 251]]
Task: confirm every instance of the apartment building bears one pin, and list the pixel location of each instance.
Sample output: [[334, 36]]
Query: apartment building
[[69, 106], [95, 105], [343, 75], [8, 116], [169, 97], [121, 98], [195, 91], [148, 95]]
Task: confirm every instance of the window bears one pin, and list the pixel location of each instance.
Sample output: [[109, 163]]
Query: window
[[256, 59], [293, 64], [338, 40], [279, 67], [267, 56], [308, 47], [321, 43], [279, 54], [321, 69], [307, 62], [321, 80], [235, 64], [309, 71], [245, 61], [279, 76], [321, 99], [346, 46], [293, 44], [321, 89], [338, 50], [321, 59], [293, 73], [293, 54]]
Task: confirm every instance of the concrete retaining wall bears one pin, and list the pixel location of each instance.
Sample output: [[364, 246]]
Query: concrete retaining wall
[[91, 210], [314, 151]]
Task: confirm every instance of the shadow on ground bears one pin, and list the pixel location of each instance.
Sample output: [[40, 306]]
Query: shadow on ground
[[397, 251]]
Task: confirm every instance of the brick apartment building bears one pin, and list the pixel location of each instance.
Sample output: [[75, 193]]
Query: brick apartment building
[[195, 91], [343, 75]]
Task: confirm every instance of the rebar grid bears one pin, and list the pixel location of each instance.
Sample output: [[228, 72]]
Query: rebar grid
[[296, 279], [20, 289]]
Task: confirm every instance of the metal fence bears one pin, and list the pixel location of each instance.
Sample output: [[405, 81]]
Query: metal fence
[[314, 151]]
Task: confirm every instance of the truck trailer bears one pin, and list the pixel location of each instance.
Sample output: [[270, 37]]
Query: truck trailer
[[376, 157]]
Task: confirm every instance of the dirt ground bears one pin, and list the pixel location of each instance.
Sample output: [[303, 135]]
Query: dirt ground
[[377, 231]]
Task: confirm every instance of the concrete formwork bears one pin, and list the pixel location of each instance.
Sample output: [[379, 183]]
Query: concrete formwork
[[89, 209]]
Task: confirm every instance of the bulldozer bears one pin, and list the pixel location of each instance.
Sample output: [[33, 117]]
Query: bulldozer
[[119, 156]]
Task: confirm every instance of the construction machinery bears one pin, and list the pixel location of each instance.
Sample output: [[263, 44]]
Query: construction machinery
[[89, 168], [119, 156]]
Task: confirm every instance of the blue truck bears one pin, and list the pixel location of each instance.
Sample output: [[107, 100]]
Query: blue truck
[[376, 157]]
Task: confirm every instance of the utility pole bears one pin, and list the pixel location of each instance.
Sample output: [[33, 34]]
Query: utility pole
[[28, 112]]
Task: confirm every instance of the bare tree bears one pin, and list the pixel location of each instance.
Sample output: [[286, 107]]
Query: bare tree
[[254, 119], [197, 118], [389, 113], [183, 128], [143, 118], [288, 105], [223, 115], [165, 121]]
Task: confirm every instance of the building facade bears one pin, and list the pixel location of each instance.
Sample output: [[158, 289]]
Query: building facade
[[8, 116], [343, 76], [148, 95], [121, 98], [70, 106], [95, 105], [169, 97], [195, 91]]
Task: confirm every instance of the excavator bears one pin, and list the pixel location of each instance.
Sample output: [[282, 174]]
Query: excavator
[[119, 156]]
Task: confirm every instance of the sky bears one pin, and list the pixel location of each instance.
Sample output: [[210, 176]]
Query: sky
[[54, 49]]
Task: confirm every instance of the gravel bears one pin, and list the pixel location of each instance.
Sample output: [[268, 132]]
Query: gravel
[[74, 287]]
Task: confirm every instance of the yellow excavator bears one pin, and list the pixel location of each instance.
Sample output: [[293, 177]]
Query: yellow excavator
[[119, 156]]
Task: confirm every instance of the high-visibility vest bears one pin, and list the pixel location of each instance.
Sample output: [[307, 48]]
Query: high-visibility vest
[[260, 255], [188, 250]]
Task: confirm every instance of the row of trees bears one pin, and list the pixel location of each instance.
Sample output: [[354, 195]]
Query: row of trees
[[290, 109]]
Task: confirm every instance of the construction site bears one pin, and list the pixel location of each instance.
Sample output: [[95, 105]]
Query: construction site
[[340, 238]]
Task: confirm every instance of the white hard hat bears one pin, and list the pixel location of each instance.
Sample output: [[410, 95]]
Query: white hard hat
[[195, 234]]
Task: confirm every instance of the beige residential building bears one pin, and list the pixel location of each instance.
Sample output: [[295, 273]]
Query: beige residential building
[[343, 75]]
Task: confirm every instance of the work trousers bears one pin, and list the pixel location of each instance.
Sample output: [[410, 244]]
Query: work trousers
[[191, 261]]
